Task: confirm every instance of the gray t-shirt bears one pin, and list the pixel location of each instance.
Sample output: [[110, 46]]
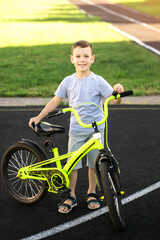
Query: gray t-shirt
[[90, 89]]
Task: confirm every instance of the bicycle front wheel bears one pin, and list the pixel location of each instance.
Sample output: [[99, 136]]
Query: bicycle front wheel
[[24, 191], [112, 197]]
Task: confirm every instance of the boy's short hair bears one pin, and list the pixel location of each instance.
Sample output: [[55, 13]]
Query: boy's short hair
[[82, 44]]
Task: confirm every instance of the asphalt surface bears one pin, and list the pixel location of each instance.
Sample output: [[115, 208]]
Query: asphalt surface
[[134, 137]]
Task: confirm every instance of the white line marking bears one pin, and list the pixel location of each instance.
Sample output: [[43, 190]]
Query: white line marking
[[121, 15], [141, 193], [90, 216], [135, 39]]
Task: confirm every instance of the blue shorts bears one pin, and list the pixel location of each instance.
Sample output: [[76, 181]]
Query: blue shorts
[[76, 140]]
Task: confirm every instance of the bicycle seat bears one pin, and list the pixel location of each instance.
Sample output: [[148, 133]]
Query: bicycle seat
[[47, 129]]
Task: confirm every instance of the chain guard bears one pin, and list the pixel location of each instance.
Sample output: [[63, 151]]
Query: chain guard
[[57, 179]]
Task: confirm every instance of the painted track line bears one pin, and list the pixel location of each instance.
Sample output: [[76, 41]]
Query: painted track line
[[90, 216], [135, 39]]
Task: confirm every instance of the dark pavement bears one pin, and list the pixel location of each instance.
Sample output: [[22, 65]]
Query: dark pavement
[[134, 137]]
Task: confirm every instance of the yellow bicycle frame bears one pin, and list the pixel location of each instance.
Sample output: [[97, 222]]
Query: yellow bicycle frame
[[40, 171]]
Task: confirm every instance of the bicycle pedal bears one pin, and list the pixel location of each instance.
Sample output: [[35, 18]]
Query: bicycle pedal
[[122, 193], [102, 198], [63, 192]]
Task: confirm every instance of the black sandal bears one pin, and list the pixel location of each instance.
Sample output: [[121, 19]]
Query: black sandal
[[94, 200], [67, 206]]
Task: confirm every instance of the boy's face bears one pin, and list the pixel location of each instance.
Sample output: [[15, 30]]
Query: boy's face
[[82, 59]]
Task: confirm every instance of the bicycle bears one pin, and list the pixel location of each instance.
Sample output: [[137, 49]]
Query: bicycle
[[27, 172]]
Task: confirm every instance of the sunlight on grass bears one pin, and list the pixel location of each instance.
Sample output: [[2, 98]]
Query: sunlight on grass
[[16, 9], [30, 23], [147, 6], [34, 34], [35, 41], [127, 1]]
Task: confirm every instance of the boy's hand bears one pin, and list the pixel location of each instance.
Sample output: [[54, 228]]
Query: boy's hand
[[118, 87], [34, 120]]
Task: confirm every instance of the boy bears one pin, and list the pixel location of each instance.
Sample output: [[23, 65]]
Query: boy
[[82, 86]]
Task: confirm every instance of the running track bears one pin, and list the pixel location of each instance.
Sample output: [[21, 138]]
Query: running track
[[141, 28]]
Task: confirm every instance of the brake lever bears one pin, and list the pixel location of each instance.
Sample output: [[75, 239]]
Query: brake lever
[[55, 113]]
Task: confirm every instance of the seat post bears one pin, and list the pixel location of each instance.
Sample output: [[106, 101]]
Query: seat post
[[52, 142], [55, 152]]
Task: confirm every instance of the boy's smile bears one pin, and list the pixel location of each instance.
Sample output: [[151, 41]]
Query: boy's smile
[[82, 59]]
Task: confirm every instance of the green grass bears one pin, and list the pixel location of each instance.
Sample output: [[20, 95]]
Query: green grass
[[36, 38], [147, 6]]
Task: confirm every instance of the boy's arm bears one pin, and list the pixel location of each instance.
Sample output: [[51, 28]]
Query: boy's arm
[[52, 105], [119, 88]]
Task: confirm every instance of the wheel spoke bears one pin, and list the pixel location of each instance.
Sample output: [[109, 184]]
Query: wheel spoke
[[12, 172], [12, 164], [20, 153], [24, 190], [32, 188]]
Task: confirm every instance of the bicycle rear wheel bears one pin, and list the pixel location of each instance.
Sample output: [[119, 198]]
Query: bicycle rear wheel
[[24, 191], [112, 197]]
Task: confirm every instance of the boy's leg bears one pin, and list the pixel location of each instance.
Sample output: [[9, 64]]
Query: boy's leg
[[91, 173], [73, 179], [92, 186], [92, 180], [76, 140]]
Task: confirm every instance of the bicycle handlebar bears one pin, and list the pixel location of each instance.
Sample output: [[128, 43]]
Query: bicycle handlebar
[[127, 93], [114, 95]]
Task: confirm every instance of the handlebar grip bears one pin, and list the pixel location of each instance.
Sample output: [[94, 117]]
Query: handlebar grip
[[127, 93]]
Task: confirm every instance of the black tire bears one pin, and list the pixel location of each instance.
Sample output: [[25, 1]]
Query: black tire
[[16, 157], [110, 187]]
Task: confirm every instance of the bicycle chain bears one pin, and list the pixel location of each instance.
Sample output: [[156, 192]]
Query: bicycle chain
[[41, 186]]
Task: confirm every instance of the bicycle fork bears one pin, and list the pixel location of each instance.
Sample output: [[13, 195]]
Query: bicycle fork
[[103, 155]]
